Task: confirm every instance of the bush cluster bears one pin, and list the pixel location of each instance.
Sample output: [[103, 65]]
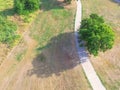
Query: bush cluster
[[26, 6], [7, 32], [97, 35]]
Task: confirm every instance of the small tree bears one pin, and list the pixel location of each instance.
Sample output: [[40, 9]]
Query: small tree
[[97, 34], [25, 6]]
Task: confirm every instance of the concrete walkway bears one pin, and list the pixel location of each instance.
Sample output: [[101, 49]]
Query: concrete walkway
[[83, 56]]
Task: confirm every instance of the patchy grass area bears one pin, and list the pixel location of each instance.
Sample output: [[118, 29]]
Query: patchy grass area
[[5, 5], [53, 64], [56, 53], [107, 64]]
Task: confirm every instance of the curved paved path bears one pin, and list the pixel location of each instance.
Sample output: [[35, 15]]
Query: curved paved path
[[86, 64]]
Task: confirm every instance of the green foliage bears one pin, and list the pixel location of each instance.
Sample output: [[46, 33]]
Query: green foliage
[[19, 56], [26, 6], [8, 32], [97, 34]]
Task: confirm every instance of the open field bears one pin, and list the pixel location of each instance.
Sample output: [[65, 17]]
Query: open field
[[107, 65], [46, 58]]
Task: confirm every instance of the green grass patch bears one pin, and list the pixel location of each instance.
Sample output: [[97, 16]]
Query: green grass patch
[[49, 24], [20, 55], [6, 4]]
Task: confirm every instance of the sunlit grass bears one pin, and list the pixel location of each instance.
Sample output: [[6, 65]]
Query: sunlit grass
[[50, 24], [6, 4], [106, 64]]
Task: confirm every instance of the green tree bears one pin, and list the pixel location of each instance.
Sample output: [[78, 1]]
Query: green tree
[[97, 34], [26, 6]]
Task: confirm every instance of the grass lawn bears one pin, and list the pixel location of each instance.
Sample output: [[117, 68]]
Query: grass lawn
[[107, 65], [6, 4]]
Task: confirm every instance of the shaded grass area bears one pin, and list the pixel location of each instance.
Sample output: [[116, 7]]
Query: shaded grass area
[[6, 8], [50, 4], [107, 64], [55, 53], [49, 24], [59, 59], [6, 4], [7, 12]]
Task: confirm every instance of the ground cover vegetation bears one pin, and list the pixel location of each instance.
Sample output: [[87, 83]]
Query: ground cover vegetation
[[68, 1], [8, 33]]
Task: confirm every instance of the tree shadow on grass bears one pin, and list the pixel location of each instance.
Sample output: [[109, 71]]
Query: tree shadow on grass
[[60, 56], [51, 4], [7, 12]]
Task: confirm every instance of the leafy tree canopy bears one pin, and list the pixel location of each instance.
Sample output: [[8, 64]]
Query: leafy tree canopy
[[97, 35], [26, 6]]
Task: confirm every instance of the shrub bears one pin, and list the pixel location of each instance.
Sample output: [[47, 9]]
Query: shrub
[[7, 32], [97, 34], [26, 6]]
